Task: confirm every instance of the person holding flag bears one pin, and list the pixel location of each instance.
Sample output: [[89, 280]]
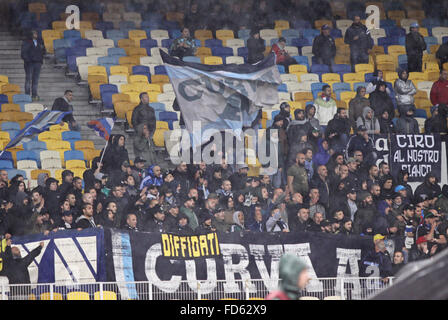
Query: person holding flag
[[103, 128]]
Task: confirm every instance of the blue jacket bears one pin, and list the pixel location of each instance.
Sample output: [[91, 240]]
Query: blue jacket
[[150, 179]]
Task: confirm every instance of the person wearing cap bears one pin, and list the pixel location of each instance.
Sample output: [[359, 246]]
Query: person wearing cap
[[255, 46], [294, 276], [188, 209], [338, 130], [360, 41], [67, 183], [407, 224], [181, 226], [349, 205], [415, 45], [171, 214], [282, 56], [364, 143], [64, 223], [429, 230], [430, 187], [437, 122], [378, 259], [238, 179], [365, 216], [218, 220], [325, 106], [285, 112], [138, 170], [324, 47], [156, 221]]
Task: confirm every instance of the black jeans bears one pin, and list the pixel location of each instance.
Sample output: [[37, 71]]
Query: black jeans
[[32, 72], [414, 63]]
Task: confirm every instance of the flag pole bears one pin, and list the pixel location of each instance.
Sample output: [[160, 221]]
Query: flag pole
[[101, 160]]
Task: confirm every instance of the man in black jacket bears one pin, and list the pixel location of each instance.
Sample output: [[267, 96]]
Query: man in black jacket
[[415, 45], [63, 104], [32, 53], [256, 47], [338, 130], [360, 41], [86, 219], [144, 114], [324, 47]]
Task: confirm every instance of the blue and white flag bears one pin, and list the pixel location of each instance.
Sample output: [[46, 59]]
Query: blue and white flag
[[103, 127], [222, 96], [42, 122]]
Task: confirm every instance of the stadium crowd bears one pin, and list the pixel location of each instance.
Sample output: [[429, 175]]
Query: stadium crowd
[[327, 181]]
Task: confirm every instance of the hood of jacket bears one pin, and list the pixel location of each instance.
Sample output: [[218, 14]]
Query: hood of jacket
[[290, 268], [308, 108], [365, 111], [41, 179], [236, 220]]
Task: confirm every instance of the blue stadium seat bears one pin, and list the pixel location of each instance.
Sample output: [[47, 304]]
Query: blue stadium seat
[[403, 61], [72, 34], [355, 8], [148, 43], [320, 68], [300, 42], [444, 40], [71, 63], [191, 59], [21, 98], [293, 33], [316, 87], [359, 84], [76, 51], [420, 113], [174, 33], [243, 52], [126, 25], [7, 156], [60, 46], [210, 43], [282, 88], [222, 51], [387, 41], [160, 70], [106, 92], [431, 41], [14, 172], [341, 86], [384, 23], [170, 24], [35, 145], [303, 60], [4, 98], [169, 117], [73, 155], [281, 69], [273, 41], [142, 70], [166, 43], [9, 125], [336, 33], [244, 34], [341, 68], [83, 43], [301, 24], [5, 164], [310, 33], [108, 60], [103, 26], [119, 52], [395, 32], [368, 77], [274, 113], [28, 155], [157, 106]]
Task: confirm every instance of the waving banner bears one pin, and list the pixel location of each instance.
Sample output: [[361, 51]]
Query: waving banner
[[222, 96]]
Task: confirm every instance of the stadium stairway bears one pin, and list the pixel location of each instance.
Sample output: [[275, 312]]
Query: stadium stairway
[[52, 84]]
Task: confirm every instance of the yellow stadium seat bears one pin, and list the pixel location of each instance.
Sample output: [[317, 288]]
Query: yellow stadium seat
[[213, 60], [4, 135], [430, 66], [384, 58], [47, 295], [129, 119], [158, 137], [120, 97], [75, 164], [10, 107], [129, 87], [432, 76], [296, 105], [59, 25], [331, 77], [347, 95], [3, 80], [134, 97], [390, 76], [204, 51], [84, 144], [203, 35], [341, 104], [224, 34], [297, 68], [160, 78], [63, 126], [364, 67], [136, 36], [319, 23], [122, 43], [281, 24], [49, 135], [434, 48], [119, 70], [122, 107], [376, 50], [396, 15], [90, 154], [417, 76], [58, 144], [138, 78], [107, 295], [137, 52], [421, 95], [78, 295], [423, 103], [386, 67]]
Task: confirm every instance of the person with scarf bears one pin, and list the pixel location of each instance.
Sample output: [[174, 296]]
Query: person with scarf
[[404, 92], [387, 188], [386, 124], [282, 56], [357, 104], [300, 123], [285, 113], [325, 106], [380, 100], [310, 116], [153, 177], [406, 124]]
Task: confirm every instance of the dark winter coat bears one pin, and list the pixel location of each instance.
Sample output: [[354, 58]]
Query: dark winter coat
[[380, 101], [256, 49], [17, 269], [31, 53], [415, 44], [60, 104], [324, 47], [144, 113], [363, 43]]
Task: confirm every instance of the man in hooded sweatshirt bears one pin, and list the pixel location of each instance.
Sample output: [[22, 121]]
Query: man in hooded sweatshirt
[[404, 92], [406, 124], [437, 123], [338, 130], [415, 45], [357, 104], [369, 121], [294, 276], [325, 106], [360, 41], [310, 116], [430, 187]]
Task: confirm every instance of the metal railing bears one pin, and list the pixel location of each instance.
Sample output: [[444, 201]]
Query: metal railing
[[322, 289]]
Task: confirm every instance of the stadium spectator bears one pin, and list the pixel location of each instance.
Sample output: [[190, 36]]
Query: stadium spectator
[[321, 182], [324, 47], [429, 188], [256, 47], [156, 221], [314, 202], [437, 122], [297, 176], [194, 19], [380, 258], [181, 227], [86, 219], [238, 222], [386, 124], [406, 124], [325, 106], [32, 53], [115, 155], [363, 143], [442, 55], [439, 90], [369, 121], [64, 223], [258, 225], [404, 92], [283, 57], [415, 45], [131, 222], [365, 216], [144, 114], [63, 104], [143, 144], [346, 226], [338, 130], [310, 116], [377, 78], [360, 41], [275, 222], [184, 45], [380, 101], [398, 262], [357, 105]]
